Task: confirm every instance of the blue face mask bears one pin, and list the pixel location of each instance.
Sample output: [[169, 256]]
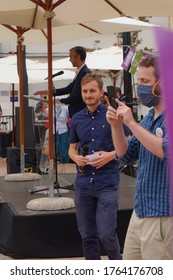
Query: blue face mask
[[146, 96]]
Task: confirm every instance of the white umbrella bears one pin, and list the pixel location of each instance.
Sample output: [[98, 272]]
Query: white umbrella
[[61, 34], [12, 60], [78, 11], [36, 71], [137, 8], [67, 12]]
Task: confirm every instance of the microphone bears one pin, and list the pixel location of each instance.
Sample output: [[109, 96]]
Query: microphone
[[56, 74], [83, 151]]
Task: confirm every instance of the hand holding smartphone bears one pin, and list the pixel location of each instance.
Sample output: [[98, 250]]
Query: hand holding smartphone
[[112, 95]]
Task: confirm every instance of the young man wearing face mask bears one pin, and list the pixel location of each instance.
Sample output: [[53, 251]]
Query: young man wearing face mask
[[150, 231]]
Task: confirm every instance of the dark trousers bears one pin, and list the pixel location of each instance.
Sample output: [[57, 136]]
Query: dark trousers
[[96, 210]]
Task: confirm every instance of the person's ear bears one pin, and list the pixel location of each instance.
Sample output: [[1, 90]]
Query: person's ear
[[156, 91]]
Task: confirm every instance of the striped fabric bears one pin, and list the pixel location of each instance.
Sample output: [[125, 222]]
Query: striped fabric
[[152, 197]]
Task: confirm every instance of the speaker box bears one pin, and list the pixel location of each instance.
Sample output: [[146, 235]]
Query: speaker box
[[29, 130], [32, 159], [5, 141]]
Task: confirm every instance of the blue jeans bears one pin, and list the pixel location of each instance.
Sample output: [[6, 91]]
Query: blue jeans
[[96, 211]]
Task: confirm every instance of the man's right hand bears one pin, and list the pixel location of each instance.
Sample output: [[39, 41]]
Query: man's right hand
[[112, 116], [124, 113]]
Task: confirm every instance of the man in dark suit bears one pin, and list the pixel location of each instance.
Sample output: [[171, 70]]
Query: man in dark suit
[[74, 100]]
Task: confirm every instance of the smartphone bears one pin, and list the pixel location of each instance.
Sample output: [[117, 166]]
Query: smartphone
[[111, 95]]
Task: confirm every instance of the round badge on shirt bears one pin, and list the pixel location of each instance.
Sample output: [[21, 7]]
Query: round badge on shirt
[[159, 132]]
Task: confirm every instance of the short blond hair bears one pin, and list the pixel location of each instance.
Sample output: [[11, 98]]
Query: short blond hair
[[90, 77]]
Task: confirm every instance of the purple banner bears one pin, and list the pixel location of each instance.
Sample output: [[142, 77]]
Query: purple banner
[[164, 39], [127, 61]]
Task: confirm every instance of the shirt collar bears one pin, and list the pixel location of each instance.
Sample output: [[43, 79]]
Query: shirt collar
[[97, 110], [78, 69], [151, 113]]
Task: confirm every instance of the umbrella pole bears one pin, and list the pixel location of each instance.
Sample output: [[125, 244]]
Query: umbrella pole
[[51, 203], [50, 105], [21, 111], [12, 115]]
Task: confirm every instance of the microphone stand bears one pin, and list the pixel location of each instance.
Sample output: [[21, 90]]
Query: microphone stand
[[56, 183]]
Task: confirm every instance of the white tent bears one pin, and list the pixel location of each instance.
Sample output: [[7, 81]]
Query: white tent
[[36, 71], [9, 75]]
